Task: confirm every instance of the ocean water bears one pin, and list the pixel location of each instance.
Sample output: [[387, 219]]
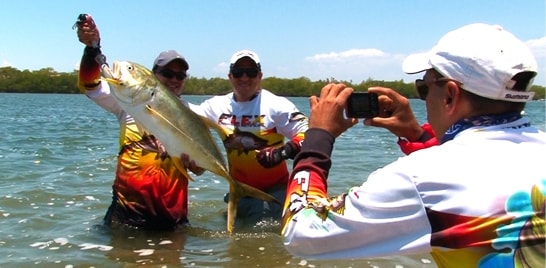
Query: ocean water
[[57, 162]]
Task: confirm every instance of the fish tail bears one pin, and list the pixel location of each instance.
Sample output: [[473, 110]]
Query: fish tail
[[238, 190]]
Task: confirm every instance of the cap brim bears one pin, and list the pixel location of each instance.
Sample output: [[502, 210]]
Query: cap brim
[[416, 63]]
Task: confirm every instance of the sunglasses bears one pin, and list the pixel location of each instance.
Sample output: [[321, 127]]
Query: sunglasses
[[422, 86], [169, 74], [250, 72]]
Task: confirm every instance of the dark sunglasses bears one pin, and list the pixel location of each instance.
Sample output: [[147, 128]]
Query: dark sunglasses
[[250, 72], [422, 86], [169, 74]]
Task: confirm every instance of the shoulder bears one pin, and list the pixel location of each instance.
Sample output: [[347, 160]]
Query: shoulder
[[195, 108], [268, 94], [276, 99], [217, 99]]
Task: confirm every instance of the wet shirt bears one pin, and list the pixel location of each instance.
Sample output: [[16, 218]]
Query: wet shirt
[[149, 190], [253, 125], [477, 200]]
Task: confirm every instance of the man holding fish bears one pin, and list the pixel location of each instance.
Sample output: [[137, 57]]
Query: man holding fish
[[149, 191], [258, 121], [160, 134]]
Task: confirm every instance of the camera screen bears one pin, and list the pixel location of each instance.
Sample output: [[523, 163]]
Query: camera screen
[[362, 105]]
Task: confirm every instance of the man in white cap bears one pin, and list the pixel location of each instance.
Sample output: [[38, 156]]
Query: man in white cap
[[259, 122], [149, 192], [475, 200]]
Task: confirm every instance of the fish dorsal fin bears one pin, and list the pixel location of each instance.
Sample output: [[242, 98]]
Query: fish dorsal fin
[[222, 132]]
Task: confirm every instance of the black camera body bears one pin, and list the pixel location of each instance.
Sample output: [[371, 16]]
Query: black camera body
[[362, 105]]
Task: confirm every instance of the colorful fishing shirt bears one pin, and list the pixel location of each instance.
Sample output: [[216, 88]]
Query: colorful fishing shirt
[[477, 200], [149, 191], [253, 125]]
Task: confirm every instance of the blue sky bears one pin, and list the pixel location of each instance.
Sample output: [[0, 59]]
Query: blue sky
[[345, 40]]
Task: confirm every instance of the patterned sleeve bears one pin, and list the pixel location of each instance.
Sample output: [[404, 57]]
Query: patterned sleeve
[[292, 123], [89, 74], [102, 97], [354, 223], [308, 179]]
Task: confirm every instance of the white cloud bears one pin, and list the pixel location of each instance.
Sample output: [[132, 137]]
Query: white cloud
[[538, 47], [361, 64], [221, 68], [351, 65], [5, 63], [347, 55]]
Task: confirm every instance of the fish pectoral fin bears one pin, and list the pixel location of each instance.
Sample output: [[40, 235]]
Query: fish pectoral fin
[[166, 120], [178, 164], [158, 114], [152, 110]]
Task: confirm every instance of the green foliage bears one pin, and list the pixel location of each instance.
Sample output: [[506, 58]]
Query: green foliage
[[539, 92], [47, 80]]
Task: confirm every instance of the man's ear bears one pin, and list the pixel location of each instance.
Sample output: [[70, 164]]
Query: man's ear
[[453, 96]]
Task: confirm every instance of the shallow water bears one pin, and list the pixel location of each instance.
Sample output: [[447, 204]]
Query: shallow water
[[57, 160]]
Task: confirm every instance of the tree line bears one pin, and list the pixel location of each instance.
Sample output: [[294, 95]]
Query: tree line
[[47, 80]]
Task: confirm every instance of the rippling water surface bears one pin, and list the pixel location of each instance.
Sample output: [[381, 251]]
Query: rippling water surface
[[57, 160]]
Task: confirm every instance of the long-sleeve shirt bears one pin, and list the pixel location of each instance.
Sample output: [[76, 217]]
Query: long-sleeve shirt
[[261, 122], [150, 191], [477, 200]]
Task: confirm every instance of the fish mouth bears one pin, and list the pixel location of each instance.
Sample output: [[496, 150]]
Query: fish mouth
[[116, 81], [109, 74]]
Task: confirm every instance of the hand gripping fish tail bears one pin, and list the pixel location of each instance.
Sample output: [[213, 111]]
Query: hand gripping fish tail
[[177, 127]]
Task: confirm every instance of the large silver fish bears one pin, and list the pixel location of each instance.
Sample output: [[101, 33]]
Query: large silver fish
[[177, 127]]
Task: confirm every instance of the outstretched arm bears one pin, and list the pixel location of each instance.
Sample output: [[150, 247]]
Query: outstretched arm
[[88, 34]]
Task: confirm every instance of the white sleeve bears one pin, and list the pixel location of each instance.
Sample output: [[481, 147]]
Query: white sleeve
[[102, 97], [195, 108], [284, 109], [384, 216]]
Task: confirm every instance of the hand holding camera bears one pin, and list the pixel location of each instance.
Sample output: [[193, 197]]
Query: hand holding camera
[[362, 105], [328, 113], [395, 114]]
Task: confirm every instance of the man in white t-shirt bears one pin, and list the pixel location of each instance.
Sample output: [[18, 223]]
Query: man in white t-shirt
[[257, 122]]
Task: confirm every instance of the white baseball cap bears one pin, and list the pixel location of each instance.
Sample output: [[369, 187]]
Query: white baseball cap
[[245, 53], [484, 58]]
